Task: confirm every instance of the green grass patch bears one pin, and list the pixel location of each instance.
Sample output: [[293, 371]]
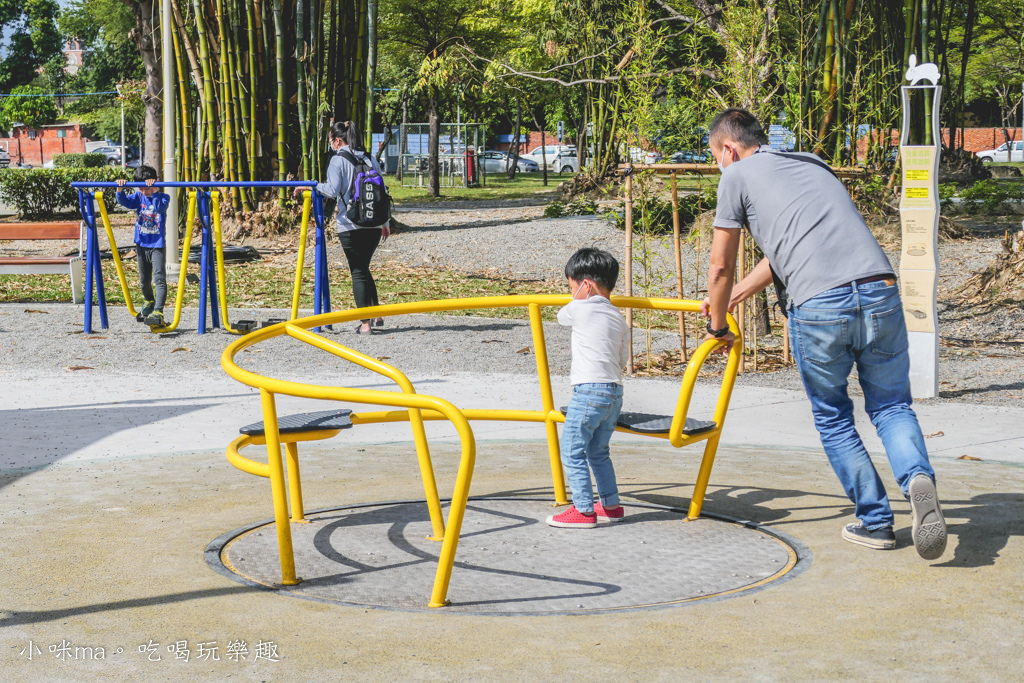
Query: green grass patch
[[498, 186], [267, 285]]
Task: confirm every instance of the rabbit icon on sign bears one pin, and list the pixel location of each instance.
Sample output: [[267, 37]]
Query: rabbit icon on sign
[[921, 72]]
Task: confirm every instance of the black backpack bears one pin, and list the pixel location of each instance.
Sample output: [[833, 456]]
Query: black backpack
[[369, 205]]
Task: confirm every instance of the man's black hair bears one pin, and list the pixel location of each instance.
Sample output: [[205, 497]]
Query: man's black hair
[[144, 173], [593, 264], [739, 125]]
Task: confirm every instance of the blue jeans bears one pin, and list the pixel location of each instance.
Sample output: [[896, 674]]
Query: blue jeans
[[828, 334], [589, 425]]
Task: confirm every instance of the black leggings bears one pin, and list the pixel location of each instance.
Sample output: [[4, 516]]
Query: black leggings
[[359, 246]]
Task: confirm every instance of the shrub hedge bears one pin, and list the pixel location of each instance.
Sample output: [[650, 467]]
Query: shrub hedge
[[40, 193], [79, 160]]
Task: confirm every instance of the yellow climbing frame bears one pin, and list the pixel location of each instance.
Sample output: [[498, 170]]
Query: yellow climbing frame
[[409, 406]]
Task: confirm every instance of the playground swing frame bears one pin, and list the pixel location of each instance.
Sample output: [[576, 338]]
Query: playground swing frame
[[206, 205]]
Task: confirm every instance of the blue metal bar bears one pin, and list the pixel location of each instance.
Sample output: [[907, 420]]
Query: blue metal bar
[[321, 287], [204, 271], [201, 184], [90, 247]]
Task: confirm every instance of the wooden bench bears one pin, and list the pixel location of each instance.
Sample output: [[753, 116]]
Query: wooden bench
[[39, 265]]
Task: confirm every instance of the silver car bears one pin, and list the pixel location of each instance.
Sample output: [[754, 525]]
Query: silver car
[[498, 162], [5, 158]]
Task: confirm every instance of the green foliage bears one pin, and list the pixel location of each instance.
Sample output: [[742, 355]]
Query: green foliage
[[79, 160], [40, 193], [658, 211], [986, 197], [31, 111], [574, 206], [34, 41]]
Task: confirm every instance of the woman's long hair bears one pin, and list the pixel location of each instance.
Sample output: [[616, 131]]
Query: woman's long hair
[[348, 132]]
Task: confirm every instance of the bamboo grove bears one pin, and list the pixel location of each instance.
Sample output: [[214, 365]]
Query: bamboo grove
[[851, 57], [259, 82]]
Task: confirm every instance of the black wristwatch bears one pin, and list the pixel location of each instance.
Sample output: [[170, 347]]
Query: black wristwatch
[[717, 333]]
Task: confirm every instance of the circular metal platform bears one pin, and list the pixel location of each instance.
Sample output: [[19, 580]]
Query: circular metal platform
[[510, 562]]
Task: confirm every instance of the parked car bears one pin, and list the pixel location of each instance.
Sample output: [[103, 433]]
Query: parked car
[[652, 157], [565, 162], [1001, 153], [5, 158], [498, 162], [113, 154], [689, 156], [549, 154]]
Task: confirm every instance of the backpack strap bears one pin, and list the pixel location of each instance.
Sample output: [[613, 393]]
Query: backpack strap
[[351, 158], [806, 159], [357, 163]]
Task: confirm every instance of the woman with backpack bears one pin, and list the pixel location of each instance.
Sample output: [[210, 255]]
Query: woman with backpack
[[359, 234]]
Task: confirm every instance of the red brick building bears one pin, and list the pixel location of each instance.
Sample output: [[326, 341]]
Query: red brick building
[[36, 146], [975, 139]]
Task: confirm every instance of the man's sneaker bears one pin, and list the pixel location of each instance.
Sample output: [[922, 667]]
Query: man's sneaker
[[573, 519], [879, 539], [604, 514], [929, 528], [145, 312], [155, 319]]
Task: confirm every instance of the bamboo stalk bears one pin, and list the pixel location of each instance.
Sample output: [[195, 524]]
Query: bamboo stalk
[[741, 319], [679, 266], [184, 104], [629, 265], [301, 54], [253, 97], [282, 159], [209, 116]]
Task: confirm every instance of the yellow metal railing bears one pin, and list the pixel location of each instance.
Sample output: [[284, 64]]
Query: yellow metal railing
[[415, 408]]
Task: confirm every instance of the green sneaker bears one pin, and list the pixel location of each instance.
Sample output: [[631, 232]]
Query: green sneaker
[[146, 311], [155, 319]]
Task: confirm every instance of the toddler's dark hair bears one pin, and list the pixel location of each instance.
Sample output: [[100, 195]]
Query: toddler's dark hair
[[144, 173], [593, 264]]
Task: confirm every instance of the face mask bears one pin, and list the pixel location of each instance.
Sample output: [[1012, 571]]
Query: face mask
[[578, 290]]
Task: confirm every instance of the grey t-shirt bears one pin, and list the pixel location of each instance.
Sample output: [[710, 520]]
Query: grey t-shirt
[[802, 218], [340, 174]]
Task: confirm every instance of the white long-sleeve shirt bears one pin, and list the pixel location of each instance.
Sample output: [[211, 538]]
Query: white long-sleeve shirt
[[599, 342]]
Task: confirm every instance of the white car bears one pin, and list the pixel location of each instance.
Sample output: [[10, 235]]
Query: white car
[[565, 162], [1000, 153], [549, 154], [498, 162]]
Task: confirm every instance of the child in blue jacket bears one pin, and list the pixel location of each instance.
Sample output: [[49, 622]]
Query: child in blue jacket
[[150, 207]]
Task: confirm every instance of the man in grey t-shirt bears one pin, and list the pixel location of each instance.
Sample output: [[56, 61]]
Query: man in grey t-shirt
[[844, 308]]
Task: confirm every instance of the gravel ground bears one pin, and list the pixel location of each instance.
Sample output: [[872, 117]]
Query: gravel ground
[[982, 355]]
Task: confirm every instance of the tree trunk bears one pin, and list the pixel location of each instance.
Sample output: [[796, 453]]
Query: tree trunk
[[434, 119], [143, 36], [514, 156]]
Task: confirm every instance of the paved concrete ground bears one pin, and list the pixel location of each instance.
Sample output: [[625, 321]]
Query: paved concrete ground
[[112, 488]]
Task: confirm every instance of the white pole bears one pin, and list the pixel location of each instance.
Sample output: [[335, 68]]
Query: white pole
[[170, 172], [122, 132]]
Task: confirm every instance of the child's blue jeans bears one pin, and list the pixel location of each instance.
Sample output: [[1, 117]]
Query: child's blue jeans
[[589, 424]]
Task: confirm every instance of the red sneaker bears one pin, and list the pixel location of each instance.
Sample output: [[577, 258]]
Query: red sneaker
[[604, 514], [573, 519]]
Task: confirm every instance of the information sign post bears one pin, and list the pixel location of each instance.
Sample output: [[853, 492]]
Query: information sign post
[[919, 218]]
